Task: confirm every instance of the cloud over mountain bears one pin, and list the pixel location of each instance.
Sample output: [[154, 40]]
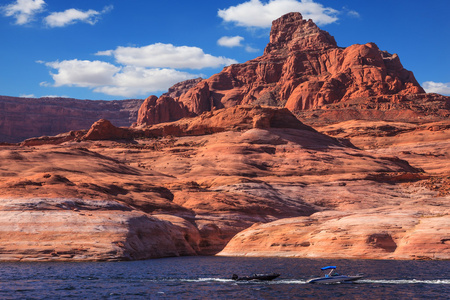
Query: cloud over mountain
[[138, 70], [256, 13], [161, 55], [437, 87]]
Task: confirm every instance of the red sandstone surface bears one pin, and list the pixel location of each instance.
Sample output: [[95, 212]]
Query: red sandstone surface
[[363, 219], [350, 161], [191, 186]]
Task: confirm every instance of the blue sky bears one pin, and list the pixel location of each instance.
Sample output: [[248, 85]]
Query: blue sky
[[120, 49]]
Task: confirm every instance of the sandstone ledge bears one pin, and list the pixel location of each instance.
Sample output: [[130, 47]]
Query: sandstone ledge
[[349, 235], [58, 229]]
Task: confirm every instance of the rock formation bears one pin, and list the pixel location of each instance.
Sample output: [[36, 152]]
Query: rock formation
[[302, 68], [105, 130], [60, 229], [405, 234], [182, 87], [235, 118], [242, 175], [190, 186], [23, 118]]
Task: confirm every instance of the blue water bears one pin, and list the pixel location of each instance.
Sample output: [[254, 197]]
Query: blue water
[[208, 278]]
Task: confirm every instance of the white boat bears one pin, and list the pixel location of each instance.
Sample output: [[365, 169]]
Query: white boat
[[333, 277]]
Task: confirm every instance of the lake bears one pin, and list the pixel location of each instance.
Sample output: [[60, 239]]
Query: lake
[[209, 278]]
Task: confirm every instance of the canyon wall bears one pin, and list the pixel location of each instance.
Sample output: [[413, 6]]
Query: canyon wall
[[23, 118]]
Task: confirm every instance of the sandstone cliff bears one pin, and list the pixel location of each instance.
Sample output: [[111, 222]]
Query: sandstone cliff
[[361, 234], [190, 186], [302, 68], [22, 118]]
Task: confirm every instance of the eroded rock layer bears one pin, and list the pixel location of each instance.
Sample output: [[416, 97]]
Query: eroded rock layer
[[46, 229], [190, 186], [404, 234]]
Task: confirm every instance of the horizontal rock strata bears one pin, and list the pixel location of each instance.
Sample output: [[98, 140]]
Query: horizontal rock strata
[[23, 118], [55, 229], [195, 184], [416, 234]]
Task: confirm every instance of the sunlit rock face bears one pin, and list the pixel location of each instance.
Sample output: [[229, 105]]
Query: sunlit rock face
[[366, 234], [302, 68], [190, 187]]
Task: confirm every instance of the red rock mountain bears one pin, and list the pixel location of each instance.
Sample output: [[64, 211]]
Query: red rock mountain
[[245, 180], [23, 118], [302, 68]]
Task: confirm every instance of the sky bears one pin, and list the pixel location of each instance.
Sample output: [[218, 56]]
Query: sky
[[131, 49]]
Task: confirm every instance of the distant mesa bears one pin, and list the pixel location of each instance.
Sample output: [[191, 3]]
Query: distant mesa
[[23, 118]]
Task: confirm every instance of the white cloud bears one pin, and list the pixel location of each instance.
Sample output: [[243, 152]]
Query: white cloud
[[139, 71], [54, 96], [255, 13], [437, 87], [250, 49], [353, 13], [103, 77], [136, 81], [230, 41], [83, 73], [23, 10], [235, 41], [105, 53], [166, 56], [72, 16], [27, 96]]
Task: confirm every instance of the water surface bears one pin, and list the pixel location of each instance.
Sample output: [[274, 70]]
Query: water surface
[[209, 278]]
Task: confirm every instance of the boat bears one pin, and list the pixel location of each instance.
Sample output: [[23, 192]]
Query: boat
[[265, 277], [333, 277]]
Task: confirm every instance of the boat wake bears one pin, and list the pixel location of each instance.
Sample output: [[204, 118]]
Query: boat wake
[[208, 280], [369, 281], [406, 281], [305, 281]]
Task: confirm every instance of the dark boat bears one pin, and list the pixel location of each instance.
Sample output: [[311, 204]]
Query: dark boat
[[256, 277]]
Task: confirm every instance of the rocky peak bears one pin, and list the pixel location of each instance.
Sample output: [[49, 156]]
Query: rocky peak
[[302, 69], [291, 33]]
